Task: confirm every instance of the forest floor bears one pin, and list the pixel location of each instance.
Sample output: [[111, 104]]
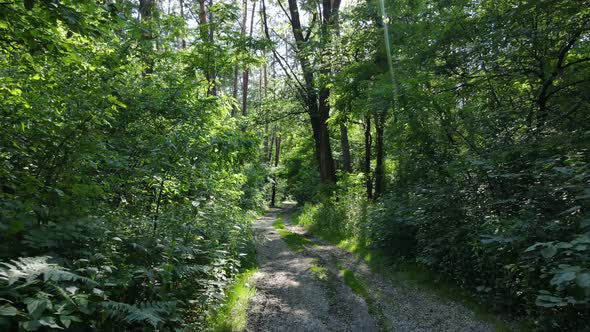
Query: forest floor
[[305, 284]]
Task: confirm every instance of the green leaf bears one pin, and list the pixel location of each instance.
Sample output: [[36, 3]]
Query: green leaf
[[8, 310], [549, 251], [583, 279], [564, 277], [50, 322], [65, 320], [534, 246], [36, 307], [549, 301], [32, 325]]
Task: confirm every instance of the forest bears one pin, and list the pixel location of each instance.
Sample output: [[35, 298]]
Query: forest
[[141, 139]]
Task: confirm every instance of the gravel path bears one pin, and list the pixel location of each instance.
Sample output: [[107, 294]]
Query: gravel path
[[291, 297]]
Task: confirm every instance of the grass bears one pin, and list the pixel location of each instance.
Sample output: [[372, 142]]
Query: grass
[[295, 241], [233, 315], [320, 272], [357, 285]]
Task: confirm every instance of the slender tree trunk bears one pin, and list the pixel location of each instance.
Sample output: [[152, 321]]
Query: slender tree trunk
[[146, 11], [182, 41], [345, 147], [272, 142], [328, 167], [266, 142], [367, 163], [246, 73], [263, 95], [207, 37], [380, 155], [203, 21], [234, 109], [213, 71], [146, 8], [274, 183]]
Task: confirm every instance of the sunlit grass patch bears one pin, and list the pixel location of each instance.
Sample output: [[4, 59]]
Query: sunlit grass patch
[[278, 224], [357, 285], [233, 315], [319, 271], [295, 241]]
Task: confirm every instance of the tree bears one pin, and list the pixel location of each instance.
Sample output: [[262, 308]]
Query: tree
[[316, 99]]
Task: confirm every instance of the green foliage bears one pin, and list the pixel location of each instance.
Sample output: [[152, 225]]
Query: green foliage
[[150, 313], [301, 173], [38, 293], [116, 163], [486, 156]]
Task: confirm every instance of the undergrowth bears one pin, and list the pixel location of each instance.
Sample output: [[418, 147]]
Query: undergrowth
[[233, 315]]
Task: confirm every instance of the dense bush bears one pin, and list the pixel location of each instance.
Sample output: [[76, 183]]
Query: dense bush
[[126, 189]]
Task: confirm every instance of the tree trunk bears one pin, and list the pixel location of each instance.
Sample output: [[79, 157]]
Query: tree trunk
[[272, 142], [146, 11], [317, 103], [367, 164], [345, 147], [274, 183], [182, 41], [234, 109], [246, 73], [207, 37], [380, 155]]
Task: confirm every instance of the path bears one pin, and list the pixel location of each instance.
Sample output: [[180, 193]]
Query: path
[[293, 296]]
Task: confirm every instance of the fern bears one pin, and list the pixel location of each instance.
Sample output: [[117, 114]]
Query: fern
[[58, 275], [151, 313], [28, 268], [31, 268]]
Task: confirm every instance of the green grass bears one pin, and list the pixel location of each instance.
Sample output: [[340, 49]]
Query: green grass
[[295, 241], [233, 315], [320, 272], [357, 285], [278, 224]]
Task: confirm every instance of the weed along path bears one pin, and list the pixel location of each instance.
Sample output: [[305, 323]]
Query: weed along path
[[304, 284]]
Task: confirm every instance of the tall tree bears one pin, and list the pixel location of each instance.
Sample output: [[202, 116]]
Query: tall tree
[[276, 164], [206, 33], [316, 99], [246, 73]]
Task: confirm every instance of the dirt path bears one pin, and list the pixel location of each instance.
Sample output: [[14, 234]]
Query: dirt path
[[293, 296]]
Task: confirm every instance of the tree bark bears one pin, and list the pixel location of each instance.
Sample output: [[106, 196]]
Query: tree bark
[[380, 155], [367, 163], [246, 73], [234, 109], [146, 11], [274, 183], [345, 147], [207, 37], [182, 41], [272, 142], [316, 101]]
